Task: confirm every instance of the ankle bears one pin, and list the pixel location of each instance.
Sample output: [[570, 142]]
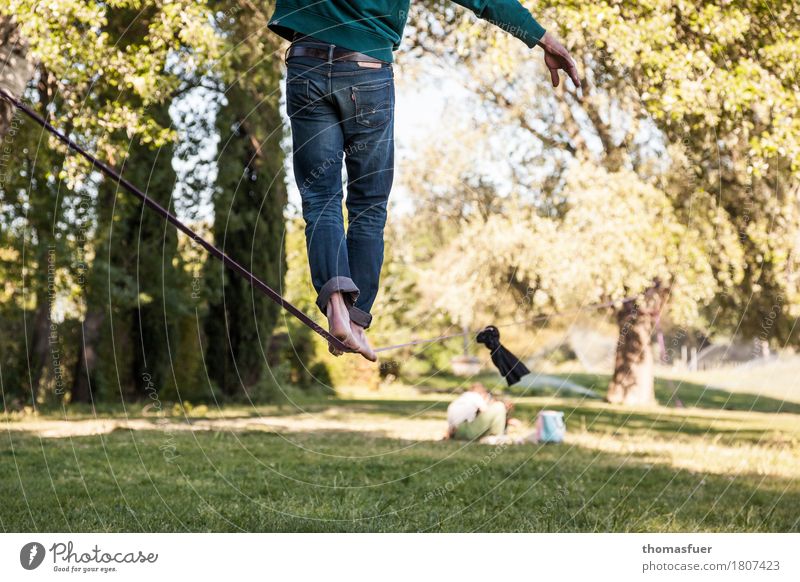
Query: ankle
[[336, 303]]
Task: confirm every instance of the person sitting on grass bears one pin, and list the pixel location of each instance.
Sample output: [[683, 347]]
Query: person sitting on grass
[[476, 414]]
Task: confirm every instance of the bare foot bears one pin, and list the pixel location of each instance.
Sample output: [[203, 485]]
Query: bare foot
[[339, 324], [364, 348]]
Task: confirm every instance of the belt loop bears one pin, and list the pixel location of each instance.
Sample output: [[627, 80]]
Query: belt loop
[[331, 48]]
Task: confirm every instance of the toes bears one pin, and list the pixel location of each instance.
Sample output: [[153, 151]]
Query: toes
[[352, 343], [366, 350]]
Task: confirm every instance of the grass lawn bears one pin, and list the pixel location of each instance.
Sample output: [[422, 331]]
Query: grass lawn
[[659, 469]]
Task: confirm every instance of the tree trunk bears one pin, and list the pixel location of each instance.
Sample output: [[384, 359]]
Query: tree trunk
[[39, 345], [239, 318], [87, 356], [633, 382], [154, 322], [15, 69], [98, 284]]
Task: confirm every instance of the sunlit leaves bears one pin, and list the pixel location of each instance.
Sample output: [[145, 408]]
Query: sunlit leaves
[[618, 235], [71, 39]]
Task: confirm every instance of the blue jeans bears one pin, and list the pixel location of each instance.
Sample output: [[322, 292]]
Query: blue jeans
[[342, 114]]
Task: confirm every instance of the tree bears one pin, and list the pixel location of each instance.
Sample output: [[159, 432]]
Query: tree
[[104, 103], [138, 278], [730, 87], [528, 263], [102, 281], [249, 201], [718, 78], [30, 190], [15, 68], [161, 298], [179, 39], [648, 69]]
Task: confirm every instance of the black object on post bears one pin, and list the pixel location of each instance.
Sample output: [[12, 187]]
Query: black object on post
[[509, 365]]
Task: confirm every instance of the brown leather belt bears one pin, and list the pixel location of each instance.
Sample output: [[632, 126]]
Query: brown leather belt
[[337, 54]]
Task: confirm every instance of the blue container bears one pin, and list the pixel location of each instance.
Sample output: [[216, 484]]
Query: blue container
[[550, 427]]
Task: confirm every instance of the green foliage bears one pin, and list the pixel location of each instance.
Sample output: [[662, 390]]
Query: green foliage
[[679, 164], [616, 236], [164, 35], [720, 82], [13, 360], [249, 201], [692, 102], [106, 73], [161, 298], [37, 232]]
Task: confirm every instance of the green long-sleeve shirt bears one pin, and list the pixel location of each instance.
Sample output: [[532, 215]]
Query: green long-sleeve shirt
[[375, 27]]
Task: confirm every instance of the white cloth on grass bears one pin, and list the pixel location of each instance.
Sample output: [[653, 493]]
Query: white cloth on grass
[[465, 408]]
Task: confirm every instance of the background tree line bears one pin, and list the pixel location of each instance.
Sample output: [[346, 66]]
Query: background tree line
[[672, 178], [127, 309]]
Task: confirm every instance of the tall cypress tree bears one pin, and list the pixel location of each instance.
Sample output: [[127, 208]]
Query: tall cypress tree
[[154, 246], [132, 292], [249, 202], [30, 190]]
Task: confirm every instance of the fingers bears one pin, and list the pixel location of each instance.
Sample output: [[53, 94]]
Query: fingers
[[573, 74], [568, 64], [554, 77], [570, 68], [557, 58]]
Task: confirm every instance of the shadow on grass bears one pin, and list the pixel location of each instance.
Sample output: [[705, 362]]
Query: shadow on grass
[[171, 410], [668, 392], [591, 416], [651, 422]]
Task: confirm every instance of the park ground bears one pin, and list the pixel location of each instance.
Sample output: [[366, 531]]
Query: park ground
[[721, 460]]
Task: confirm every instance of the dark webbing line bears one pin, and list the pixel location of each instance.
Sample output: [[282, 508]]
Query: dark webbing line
[[213, 250]]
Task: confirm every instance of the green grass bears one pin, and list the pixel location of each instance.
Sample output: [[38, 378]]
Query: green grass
[[344, 482], [661, 469]]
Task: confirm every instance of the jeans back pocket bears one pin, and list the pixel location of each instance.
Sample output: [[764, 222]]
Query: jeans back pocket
[[373, 103], [297, 96]]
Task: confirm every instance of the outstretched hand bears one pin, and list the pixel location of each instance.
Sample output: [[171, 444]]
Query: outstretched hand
[[556, 57]]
